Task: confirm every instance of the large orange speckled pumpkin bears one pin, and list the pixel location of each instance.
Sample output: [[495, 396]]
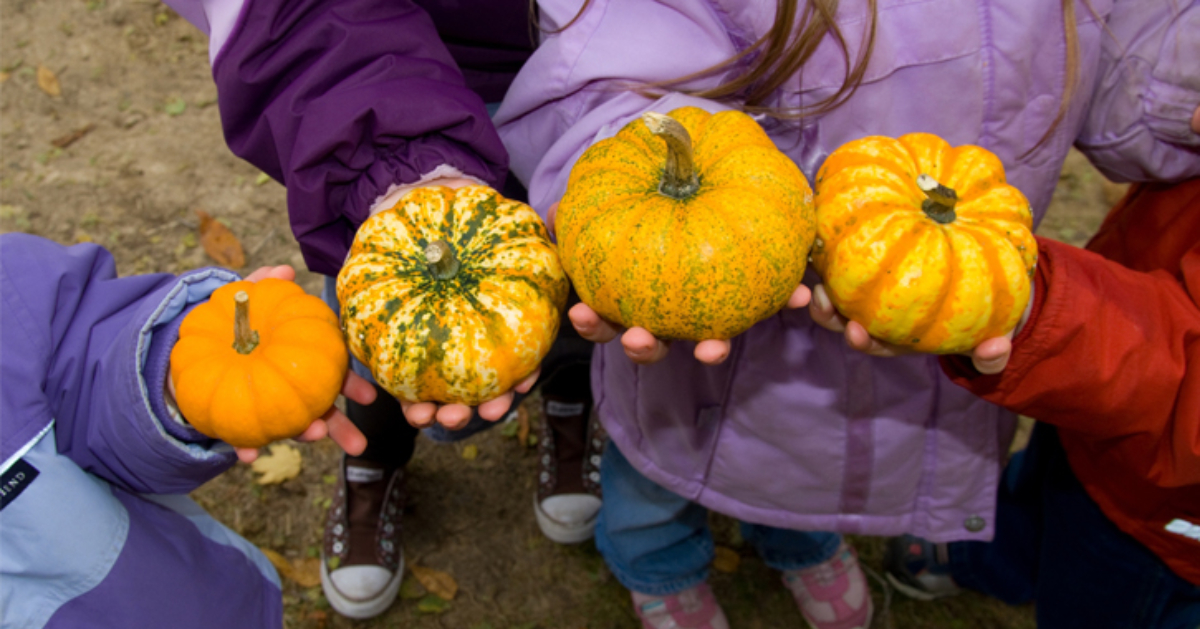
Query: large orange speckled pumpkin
[[452, 295], [257, 362], [691, 225], [923, 243]]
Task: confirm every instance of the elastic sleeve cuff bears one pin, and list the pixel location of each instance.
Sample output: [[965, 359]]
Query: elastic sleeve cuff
[[396, 191], [158, 367], [157, 337]]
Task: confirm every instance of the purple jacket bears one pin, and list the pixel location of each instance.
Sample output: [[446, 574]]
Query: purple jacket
[[795, 430], [97, 529], [343, 100]]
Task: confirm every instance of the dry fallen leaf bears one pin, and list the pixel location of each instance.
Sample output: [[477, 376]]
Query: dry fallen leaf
[[305, 572], [48, 82], [281, 464], [64, 141], [726, 560], [4, 76], [220, 243], [279, 561], [435, 581]]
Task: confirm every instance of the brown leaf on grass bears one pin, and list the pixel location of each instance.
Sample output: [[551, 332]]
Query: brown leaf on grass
[[523, 425], [305, 572], [726, 560], [48, 82], [279, 561], [435, 582], [220, 243], [283, 463], [4, 76], [63, 141]]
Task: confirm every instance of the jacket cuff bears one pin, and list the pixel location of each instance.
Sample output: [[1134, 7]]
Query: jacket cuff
[[156, 339], [396, 191], [155, 372], [327, 203]]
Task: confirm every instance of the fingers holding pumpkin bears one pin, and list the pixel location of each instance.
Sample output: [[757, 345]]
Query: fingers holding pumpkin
[[823, 313], [281, 272], [590, 326], [821, 309], [457, 416]]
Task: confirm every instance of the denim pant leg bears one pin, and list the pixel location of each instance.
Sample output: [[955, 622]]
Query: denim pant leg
[[1067, 555], [788, 549], [654, 541]]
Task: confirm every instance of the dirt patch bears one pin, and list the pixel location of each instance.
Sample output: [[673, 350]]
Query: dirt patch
[[132, 147]]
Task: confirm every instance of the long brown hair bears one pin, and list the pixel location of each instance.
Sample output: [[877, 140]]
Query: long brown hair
[[774, 59]]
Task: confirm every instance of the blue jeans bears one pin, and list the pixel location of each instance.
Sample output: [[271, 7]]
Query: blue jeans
[[1054, 545], [657, 542]]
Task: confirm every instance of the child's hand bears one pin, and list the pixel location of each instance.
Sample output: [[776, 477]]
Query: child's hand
[[989, 357], [456, 416]]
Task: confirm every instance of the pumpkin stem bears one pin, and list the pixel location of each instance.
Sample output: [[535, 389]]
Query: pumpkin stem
[[679, 177], [441, 260], [244, 339], [940, 204]]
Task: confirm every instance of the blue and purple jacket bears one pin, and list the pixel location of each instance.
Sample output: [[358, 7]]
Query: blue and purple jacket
[[96, 529]]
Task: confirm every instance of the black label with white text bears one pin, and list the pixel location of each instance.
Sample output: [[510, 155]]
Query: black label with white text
[[14, 481]]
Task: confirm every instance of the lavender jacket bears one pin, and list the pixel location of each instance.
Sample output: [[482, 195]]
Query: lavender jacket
[[343, 101], [95, 526], [795, 430]]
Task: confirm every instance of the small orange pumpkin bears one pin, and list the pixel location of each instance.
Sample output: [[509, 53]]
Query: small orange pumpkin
[[691, 225], [924, 244], [258, 362]]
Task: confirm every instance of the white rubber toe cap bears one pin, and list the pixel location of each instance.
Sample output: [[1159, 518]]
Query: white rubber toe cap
[[361, 591], [568, 518]]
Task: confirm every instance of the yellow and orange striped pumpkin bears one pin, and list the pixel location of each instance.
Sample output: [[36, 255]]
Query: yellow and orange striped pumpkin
[[691, 225], [923, 243], [452, 295]]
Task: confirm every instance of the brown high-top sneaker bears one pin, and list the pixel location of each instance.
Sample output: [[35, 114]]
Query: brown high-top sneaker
[[362, 561], [570, 442]]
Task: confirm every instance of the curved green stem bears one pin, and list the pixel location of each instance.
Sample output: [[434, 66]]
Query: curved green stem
[[679, 177]]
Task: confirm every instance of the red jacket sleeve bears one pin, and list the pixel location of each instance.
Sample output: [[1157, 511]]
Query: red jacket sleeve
[[1110, 353]]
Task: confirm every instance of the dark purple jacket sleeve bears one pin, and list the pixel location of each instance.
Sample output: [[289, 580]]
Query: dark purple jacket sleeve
[[79, 352], [340, 99]]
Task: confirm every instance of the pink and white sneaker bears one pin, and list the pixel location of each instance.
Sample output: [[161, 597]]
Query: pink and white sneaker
[[693, 608], [833, 594]]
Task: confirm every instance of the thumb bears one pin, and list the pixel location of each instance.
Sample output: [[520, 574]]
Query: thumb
[[991, 357]]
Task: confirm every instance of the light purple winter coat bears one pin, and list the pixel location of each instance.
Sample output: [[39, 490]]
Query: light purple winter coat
[[795, 430]]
